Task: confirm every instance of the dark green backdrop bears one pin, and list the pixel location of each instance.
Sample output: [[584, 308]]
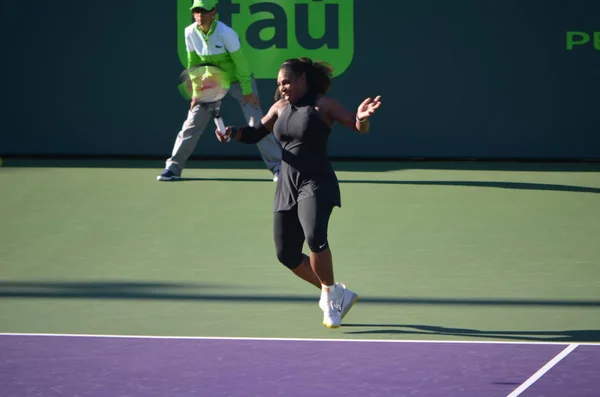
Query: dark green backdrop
[[466, 78]]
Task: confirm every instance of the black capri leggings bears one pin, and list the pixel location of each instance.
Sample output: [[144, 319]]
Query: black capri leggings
[[307, 220]]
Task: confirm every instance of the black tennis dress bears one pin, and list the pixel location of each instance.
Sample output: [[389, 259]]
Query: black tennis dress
[[305, 168]]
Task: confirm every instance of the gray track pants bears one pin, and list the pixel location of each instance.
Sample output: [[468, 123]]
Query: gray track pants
[[200, 116]]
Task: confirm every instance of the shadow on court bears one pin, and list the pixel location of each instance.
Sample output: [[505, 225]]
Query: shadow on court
[[345, 166], [570, 336], [101, 289], [340, 164], [498, 185], [187, 292]]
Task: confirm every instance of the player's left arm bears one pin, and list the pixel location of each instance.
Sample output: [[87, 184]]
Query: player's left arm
[[358, 121]]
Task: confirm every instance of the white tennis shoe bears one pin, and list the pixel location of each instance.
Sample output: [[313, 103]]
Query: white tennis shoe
[[331, 313], [335, 309], [347, 300]]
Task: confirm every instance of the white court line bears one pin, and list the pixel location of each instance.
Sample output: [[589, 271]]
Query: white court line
[[543, 370], [500, 342]]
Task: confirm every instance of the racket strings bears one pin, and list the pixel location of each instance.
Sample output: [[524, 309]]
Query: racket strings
[[206, 83]]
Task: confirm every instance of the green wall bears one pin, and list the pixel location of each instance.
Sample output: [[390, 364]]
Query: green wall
[[466, 78]]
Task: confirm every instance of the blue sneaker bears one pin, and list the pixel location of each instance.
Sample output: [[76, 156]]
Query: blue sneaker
[[168, 175]]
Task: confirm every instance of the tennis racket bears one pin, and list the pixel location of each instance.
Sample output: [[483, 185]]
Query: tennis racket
[[208, 84]]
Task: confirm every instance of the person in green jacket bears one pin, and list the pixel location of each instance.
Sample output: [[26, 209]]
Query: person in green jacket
[[210, 40]]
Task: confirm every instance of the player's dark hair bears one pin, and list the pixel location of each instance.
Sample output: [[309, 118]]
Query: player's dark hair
[[318, 74]]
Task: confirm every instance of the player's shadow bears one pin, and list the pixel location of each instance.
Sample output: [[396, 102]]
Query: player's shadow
[[295, 162], [340, 164], [488, 184], [568, 336]]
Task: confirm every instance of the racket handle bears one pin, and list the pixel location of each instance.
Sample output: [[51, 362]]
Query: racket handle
[[220, 125]]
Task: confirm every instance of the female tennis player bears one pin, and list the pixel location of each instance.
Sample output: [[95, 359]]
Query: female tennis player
[[307, 190]]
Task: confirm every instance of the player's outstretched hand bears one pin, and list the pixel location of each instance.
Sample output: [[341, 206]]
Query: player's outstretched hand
[[368, 107]]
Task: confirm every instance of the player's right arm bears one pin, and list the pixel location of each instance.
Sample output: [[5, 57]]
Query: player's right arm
[[253, 134]]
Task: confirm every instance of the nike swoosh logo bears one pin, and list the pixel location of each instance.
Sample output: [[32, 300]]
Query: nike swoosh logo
[[219, 46]]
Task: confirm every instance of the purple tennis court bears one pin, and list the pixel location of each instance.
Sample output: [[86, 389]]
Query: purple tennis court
[[97, 366]]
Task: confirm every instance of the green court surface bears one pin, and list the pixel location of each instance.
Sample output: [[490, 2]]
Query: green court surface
[[436, 250]]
